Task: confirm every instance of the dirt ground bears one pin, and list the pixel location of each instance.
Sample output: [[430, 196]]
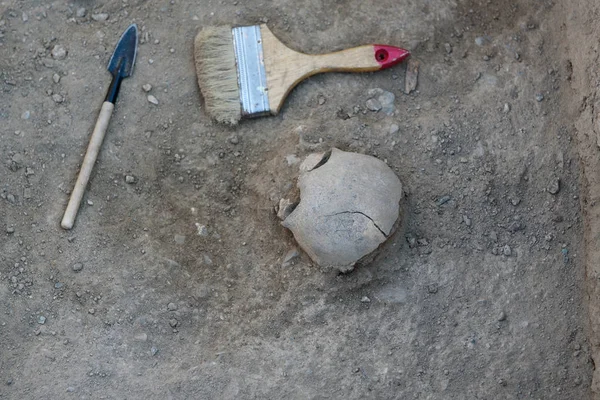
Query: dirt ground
[[481, 294]]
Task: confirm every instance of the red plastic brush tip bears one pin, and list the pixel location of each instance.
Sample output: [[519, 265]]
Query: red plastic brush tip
[[388, 56]]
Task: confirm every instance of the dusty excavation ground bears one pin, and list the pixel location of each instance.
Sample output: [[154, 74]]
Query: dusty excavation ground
[[481, 294]]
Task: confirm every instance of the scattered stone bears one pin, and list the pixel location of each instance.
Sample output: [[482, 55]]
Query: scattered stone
[[515, 201], [77, 267], [26, 114], [70, 389], [506, 250], [90, 202], [234, 139], [202, 230], [58, 52], [25, 17], [365, 299], [502, 316], [154, 351], [101, 17], [448, 47], [554, 186], [321, 100], [58, 98], [506, 109], [443, 200], [480, 41], [467, 220], [141, 337], [92, 311], [58, 285], [394, 128], [290, 255], [286, 206], [516, 226], [373, 105], [486, 58], [130, 179], [81, 12], [41, 320], [173, 322], [29, 171], [11, 198], [412, 75], [292, 159], [152, 99], [27, 193], [384, 100], [172, 307], [539, 97], [10, 229], [147, 87]]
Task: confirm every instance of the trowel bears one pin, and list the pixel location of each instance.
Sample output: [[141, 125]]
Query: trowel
[[120, 66]]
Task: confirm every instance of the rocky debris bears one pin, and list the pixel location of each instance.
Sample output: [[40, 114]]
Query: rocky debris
[[172, 307], [24, 17], [502, 316], [130, 179], [506, 108], [141, 337], [539, 97], [506, 250], [554, 186], [58, 98], [448, 48], [81, 12], [394, 128], [373, 105], [202, 230], [365, 299], [412, 75], [290, 256], [100, 17], [179, 239], [26, 115], [77, 267], [56, 78], [146, 87], [381, 100], [41, 320], [285, 208], [154, 351], [91, 311], [349, 205], [10, 229], [58, 52], [152, 99], [173, 322]]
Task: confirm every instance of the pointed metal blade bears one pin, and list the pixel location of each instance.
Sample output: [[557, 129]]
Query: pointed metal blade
[[123, 58]]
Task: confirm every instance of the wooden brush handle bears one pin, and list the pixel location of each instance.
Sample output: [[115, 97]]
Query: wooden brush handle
[[88, 165], [285, 67]]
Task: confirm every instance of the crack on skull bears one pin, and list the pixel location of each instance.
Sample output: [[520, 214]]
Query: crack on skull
[[363, 214]]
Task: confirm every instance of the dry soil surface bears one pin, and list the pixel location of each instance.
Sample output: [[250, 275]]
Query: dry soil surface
[[174, 282]]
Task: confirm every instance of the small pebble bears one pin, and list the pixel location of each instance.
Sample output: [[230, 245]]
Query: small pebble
[[25, 17], [554, 186], [70, 389], [58, 285], [92, 311], [41, 320], [365, 299], [58, 98], [506, 109], [10, 229], [142, 337], [506, 250], [100, 17], [502, 316], [448, 47], [77, 267], [202, 230], [373, 105], [539, 97], [480, 41], [394, 128], [486, 58], [152, 99], [179, 239], [58, 52], [147, 87], [130, 179], [81, 12], [26, 114], [56, 78], [173, 322], [234, 139], [290, 255], [90, 203], [172, 307], [154, 350]]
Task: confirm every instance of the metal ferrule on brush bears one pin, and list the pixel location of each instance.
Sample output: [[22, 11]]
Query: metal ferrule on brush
[[251, 73]]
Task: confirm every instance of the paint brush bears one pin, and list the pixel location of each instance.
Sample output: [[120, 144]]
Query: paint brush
[[247, 72]]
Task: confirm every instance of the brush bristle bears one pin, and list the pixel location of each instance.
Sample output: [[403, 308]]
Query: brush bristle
[[217, 74]]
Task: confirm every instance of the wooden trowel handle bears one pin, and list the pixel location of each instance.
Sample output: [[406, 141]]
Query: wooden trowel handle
[[88, 164]]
